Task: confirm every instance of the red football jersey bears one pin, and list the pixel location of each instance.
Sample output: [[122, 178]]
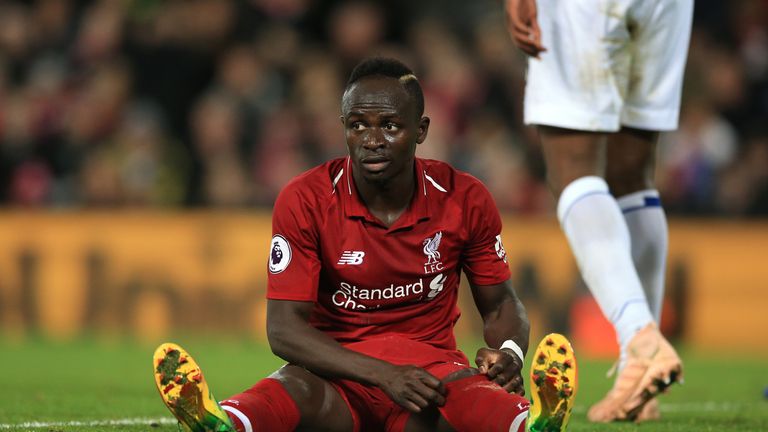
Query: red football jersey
[[368, 280]]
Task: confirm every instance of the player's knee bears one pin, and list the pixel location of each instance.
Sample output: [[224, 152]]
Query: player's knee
[[475, 403], [266, 404], [626, 179], [317, 400], [631, 161], [298, 382]]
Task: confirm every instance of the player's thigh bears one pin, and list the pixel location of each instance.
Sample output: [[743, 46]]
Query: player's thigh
[[321, 406], [659, 50], [580, 81]]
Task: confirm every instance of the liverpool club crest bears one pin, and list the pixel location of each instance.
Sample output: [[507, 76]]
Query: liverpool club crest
[[431, 246]]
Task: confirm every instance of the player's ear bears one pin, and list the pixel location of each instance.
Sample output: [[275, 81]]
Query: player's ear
[[423, 128], [341, 117]]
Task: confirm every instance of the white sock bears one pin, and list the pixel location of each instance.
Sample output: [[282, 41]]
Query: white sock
[[648, 229], [599, 238]]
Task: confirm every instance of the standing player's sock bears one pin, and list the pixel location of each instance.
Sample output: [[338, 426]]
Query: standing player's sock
[[599, 239], [648, 229], [264, 407]]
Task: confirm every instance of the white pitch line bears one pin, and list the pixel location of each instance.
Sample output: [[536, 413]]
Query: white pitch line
[[89, 423]]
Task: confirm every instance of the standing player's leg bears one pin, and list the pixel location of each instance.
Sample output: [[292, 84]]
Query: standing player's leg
[[630, 175], [290, 398], [569, 93], [659, 47], [592, 221], [586, 81], [599, 238], [660, 35], [595, 227]]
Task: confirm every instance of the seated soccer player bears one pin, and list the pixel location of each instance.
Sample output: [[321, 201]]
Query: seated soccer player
[[366, 257]]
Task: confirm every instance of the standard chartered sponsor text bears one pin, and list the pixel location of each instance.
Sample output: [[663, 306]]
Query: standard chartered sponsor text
[[348, 295]]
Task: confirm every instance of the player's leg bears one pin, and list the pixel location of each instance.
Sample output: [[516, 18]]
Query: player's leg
[[431, 420], [574, 89], [595, 227], [570, 155], [630, 174], [569, 93], [292, 398], [599, 237], [661, 31], [660, 35], [473, 403]]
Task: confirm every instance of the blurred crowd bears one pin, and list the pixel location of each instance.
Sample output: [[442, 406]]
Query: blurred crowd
[[218, 103]]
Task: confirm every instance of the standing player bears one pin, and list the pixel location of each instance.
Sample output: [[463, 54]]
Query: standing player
[[607, 82], [364, 270]]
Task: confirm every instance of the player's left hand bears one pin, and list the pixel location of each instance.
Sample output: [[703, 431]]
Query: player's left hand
[[502, 367]]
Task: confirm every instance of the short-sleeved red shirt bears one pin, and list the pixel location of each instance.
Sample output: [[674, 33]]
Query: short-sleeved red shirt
[[368, 280]]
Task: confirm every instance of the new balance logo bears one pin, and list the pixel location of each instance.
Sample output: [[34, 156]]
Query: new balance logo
[[351, 258]]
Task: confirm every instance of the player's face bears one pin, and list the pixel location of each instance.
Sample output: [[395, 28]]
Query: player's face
[[382, 128]]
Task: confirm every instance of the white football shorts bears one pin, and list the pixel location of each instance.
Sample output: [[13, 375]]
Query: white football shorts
[[609, 63]]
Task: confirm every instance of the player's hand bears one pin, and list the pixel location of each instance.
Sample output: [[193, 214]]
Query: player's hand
[[523, 26], [413, 388], [502, 367]]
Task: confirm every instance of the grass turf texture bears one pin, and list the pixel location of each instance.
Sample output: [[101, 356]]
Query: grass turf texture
[[85, 381]]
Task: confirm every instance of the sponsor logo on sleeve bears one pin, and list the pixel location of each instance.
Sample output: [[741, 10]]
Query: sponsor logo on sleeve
[[500, 252], [279, 254]]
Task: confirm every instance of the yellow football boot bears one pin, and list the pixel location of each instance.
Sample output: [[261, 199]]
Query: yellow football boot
[[553, 385], [184, 391]]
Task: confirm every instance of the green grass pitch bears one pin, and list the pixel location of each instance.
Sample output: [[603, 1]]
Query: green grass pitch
[[85, 385]]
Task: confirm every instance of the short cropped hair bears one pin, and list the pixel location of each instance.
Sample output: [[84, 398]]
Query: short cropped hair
[[393, 68]]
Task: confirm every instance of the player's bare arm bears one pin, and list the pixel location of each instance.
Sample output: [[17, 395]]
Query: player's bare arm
[[504, 318], [295, 340], [523, 26]]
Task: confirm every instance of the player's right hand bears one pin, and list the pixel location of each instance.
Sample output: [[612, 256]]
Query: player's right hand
[[412, 388], [502, 367], [523, 26]]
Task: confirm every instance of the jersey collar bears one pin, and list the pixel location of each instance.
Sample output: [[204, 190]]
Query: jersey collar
[[417, 211]]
